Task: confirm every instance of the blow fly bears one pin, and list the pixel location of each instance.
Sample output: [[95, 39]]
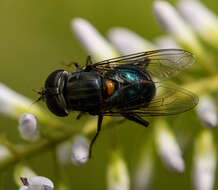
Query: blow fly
[[129, 86]]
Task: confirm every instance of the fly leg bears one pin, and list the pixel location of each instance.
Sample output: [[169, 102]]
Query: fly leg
[[100, 118], [89, 60], [78, 68], [76, 65], [136, 118], [89, 63]]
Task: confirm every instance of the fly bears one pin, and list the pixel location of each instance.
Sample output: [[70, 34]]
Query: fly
[[129, 86]]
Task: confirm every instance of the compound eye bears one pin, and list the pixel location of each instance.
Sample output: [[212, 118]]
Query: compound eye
[[54, 88]]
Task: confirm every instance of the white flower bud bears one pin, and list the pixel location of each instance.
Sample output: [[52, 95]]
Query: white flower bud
[[168, 147], [38, 183], [201, 19], [80, 150], [92, 40], [166, 42], [204, 168], [11, 101], [117, 173], [207, 112], [173, 24], [23, 171], [23, 188], [14, 104], [28, 127], [128, 42]]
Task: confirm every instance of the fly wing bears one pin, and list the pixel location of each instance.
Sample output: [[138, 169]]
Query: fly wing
[[169, 100], [161, 64]]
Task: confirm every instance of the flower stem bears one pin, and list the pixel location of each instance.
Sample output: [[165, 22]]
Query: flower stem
[[57, 169], [46, 144]]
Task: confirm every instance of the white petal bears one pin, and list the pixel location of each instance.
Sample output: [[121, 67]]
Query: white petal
[[92, 40], [168, 147], [117, 174], [37, 182], [28, 127], [23, 188], [166, 42], [14, 104], [11, 100], [207, 112], [173, 24], [128, 42], [204, 169], [80, 150], [201, 19]]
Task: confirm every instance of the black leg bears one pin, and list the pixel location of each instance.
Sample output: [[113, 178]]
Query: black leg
[[136, 118], [78, 68], [89, 60], [100, 118], [76, 65], [24, 181]]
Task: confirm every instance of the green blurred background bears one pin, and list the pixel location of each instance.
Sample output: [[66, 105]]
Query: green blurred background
[[35, 37]]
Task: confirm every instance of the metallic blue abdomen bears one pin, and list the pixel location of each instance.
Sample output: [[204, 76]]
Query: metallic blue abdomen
[[134, 87]]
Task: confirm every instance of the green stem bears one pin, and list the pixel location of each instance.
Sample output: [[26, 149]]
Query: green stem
[[2, 180], [57, 169], [46, 144]]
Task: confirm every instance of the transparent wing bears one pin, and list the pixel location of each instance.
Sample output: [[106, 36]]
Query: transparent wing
[[161, 64], [169, 100]]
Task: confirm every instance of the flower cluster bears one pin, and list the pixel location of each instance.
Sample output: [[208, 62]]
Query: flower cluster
[[185, 26]]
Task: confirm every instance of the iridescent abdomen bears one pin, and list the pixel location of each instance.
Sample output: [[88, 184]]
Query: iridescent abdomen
[[133, 87]]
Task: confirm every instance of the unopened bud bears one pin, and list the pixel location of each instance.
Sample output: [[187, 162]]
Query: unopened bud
[[96, 45], [128, 42], [37, 183], [117, 174], [80, 150], [28, 127], [168, 147], [207, 112]]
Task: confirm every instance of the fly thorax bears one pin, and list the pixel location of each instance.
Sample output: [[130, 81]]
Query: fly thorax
[[84, 91]]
